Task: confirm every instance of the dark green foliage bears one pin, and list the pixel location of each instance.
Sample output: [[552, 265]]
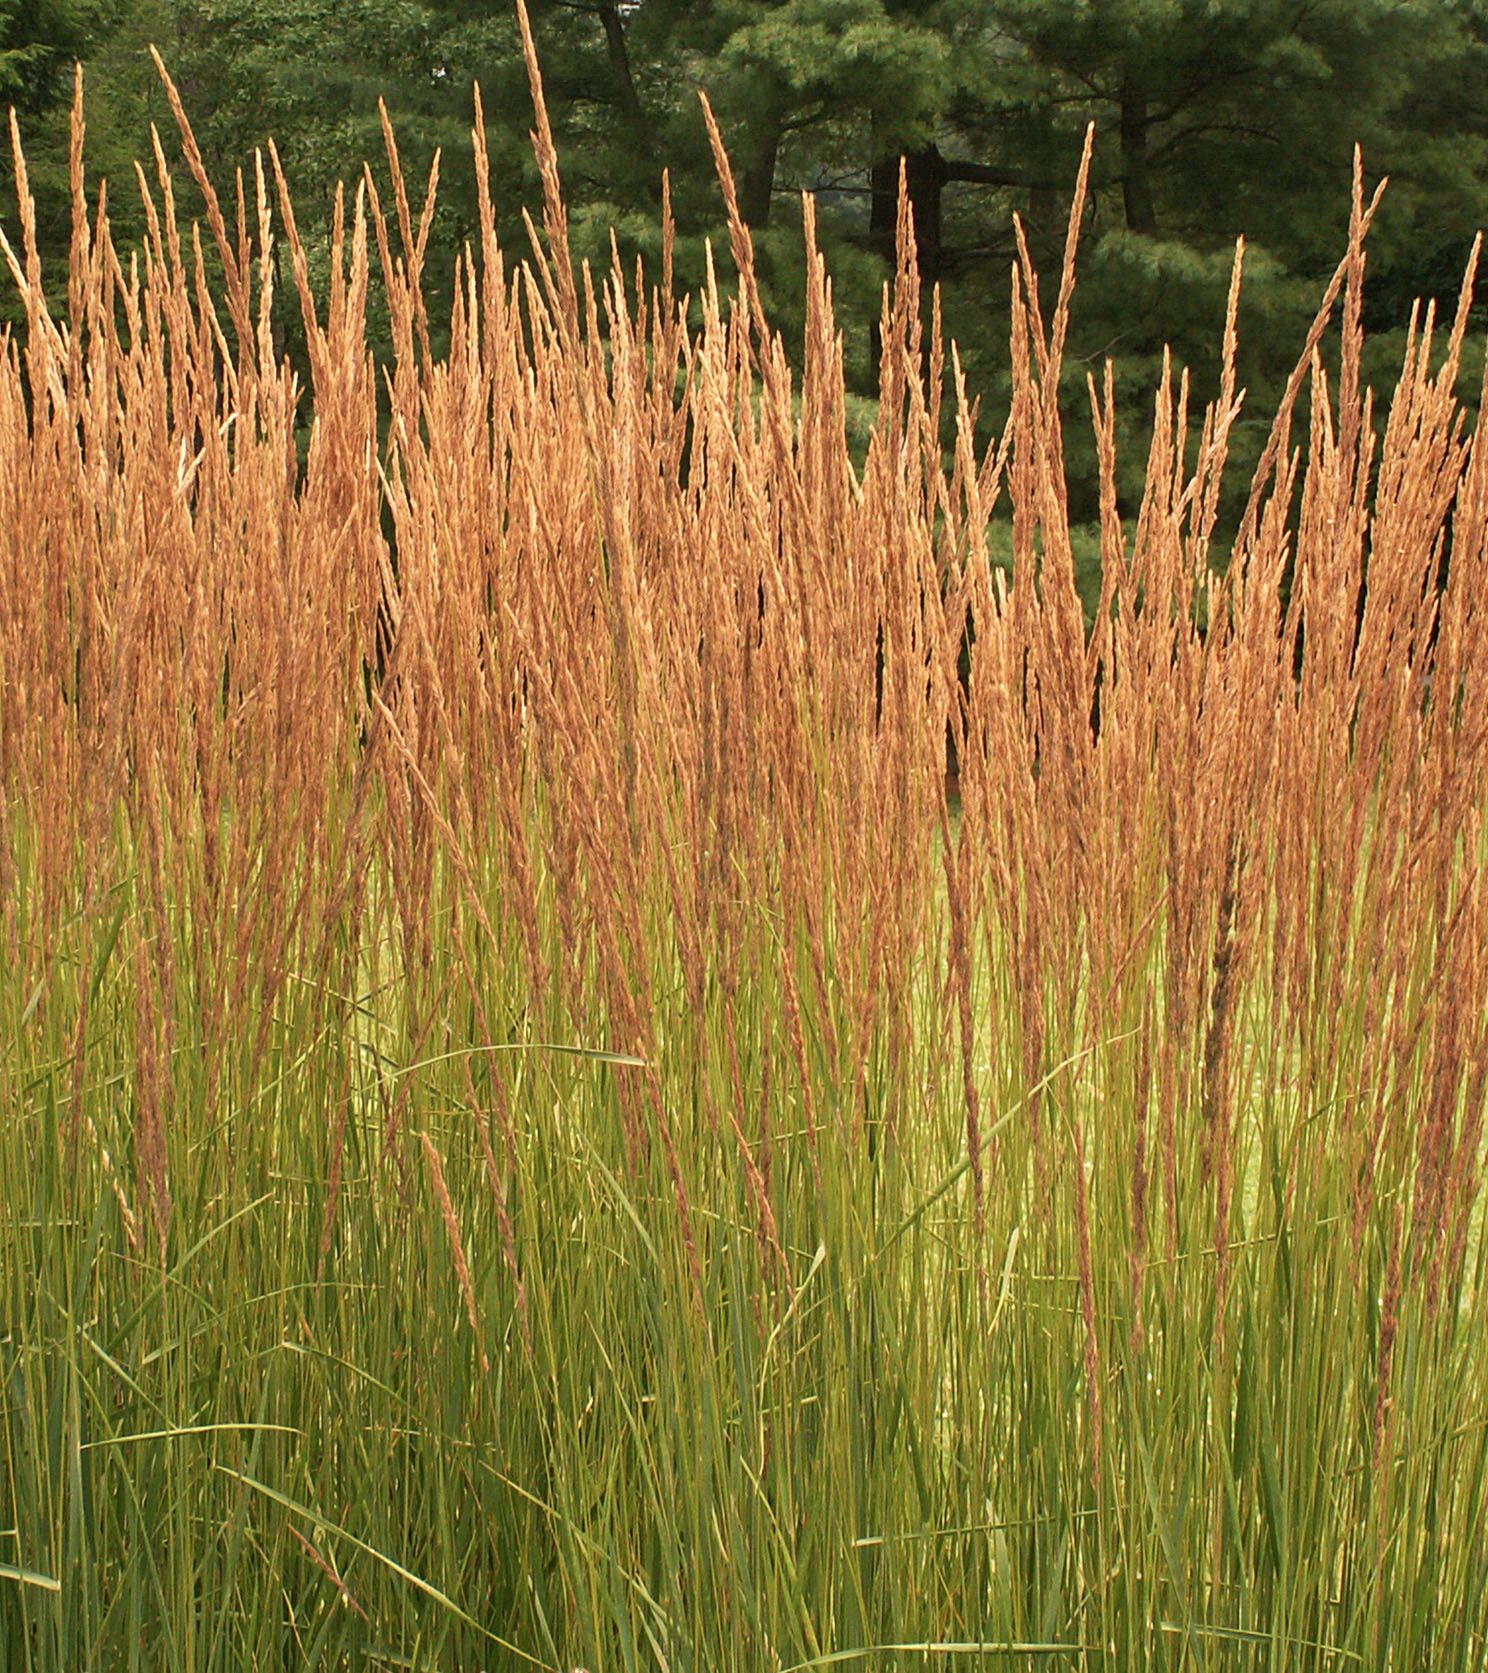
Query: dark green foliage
[[39, 39], [1212, 121]]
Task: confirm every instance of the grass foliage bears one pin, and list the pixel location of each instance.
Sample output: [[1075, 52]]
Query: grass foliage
[[542, 1127]]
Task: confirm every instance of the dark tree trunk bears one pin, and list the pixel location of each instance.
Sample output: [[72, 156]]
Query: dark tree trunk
[[1136, 178], [1046, 222], [619, 55], [925, 175], [757, 179]]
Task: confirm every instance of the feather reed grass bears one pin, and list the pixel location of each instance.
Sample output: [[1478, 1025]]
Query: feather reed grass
[[537, 1130]]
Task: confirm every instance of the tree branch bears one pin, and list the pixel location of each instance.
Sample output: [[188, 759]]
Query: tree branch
[[990, 174], [1173, 141]]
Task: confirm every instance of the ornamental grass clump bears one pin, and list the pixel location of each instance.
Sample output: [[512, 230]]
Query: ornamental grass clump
[[539, 1131]]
